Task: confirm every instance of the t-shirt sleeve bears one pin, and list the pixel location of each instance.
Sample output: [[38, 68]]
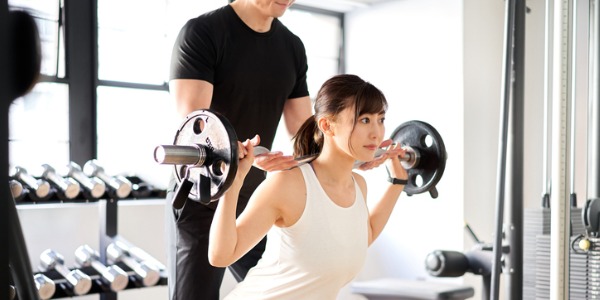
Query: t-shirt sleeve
[[301, 87], [194, 54]]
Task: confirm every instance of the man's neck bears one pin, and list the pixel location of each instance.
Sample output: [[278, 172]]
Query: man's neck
[[252, 16]]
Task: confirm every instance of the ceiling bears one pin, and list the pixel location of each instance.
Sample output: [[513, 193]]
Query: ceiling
[[338, 5]]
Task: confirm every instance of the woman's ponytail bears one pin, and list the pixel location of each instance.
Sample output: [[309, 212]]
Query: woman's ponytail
[[309, 139]]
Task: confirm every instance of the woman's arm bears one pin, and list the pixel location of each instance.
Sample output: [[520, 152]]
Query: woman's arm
[[380, 213], [230, 239]]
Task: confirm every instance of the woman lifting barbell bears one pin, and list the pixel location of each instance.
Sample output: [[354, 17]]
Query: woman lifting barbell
[[322, 224]]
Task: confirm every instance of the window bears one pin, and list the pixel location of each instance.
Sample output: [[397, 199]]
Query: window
[[38, 122], [134, 111], [131, 101], [322, 36]]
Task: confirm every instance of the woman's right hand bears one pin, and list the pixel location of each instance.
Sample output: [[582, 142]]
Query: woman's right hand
[[246, 158]]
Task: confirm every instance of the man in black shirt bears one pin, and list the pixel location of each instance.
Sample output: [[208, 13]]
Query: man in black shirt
[[242, 62]]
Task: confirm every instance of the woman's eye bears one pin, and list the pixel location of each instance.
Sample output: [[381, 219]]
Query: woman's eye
[[365, 120], [382, 120]]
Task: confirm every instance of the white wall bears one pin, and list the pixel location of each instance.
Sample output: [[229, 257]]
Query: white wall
[[412, 51], [441, 62]]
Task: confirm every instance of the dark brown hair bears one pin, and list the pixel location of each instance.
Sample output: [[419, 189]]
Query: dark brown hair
[[337, 94], [26, 52]]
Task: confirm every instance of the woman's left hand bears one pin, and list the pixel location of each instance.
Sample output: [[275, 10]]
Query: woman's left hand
[[379, 160], [394, 152]]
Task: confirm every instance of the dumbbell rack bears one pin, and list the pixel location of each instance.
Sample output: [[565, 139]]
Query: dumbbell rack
[[108, 210], [108, 230]]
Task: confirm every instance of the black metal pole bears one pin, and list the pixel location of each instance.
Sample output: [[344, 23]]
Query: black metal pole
[[506, 89], [514, 230], [108, 230], [4, 103]]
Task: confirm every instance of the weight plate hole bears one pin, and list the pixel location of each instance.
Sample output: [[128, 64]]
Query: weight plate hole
[[427, 141], [182, 171], [418, 180], [218, 168], [199, 125]]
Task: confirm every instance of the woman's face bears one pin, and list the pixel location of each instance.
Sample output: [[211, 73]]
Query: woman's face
[[359, 138]]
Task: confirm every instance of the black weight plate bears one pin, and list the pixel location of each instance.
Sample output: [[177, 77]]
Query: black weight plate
[[213, 131], [425, 140]]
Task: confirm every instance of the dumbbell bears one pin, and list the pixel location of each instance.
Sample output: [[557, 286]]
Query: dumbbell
[[137, 253], [40, 189], [113, 276], [118, 186], [45, 286], [67, 187], [93, 187], [149, 273], [52, 260], [16, 190], [139, 188], [12, 293]]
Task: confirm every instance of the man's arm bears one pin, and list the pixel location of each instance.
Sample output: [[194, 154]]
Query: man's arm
[[295, 113], [190, 95]]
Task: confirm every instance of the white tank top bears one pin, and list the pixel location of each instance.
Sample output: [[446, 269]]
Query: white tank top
[[314, 258]]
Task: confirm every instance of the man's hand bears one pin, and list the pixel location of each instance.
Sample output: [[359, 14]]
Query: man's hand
[[275, 161], [269, 161]]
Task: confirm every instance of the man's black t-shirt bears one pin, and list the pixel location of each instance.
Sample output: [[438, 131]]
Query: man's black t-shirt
[[252, 73]]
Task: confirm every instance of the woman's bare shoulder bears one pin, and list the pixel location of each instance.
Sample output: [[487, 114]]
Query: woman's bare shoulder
[[362, 183], [286, 192], [286, 180]]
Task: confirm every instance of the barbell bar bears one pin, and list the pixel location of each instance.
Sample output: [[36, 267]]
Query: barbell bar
[[205, 156]]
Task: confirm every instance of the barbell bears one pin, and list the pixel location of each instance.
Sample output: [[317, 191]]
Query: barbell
[[204, 154]]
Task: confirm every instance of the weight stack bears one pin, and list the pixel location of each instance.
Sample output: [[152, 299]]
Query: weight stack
[[536, 250], [584, 272], [542, 267], [536, 222]]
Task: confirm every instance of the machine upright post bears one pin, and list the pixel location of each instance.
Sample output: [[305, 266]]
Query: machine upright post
[[4, 103], [512, 92], [514, 227], [593, 159]]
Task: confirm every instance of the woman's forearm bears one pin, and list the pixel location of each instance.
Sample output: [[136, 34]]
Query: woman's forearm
[[223, 231], [381, 212]]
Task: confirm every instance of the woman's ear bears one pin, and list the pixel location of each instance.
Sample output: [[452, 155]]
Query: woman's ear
[[325, 126]]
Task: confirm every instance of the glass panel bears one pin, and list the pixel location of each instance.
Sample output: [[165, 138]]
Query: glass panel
[[46, 16], [131, 43], [131, 123], [39, 127], [322, 38], [135, 46], [321, 34]]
